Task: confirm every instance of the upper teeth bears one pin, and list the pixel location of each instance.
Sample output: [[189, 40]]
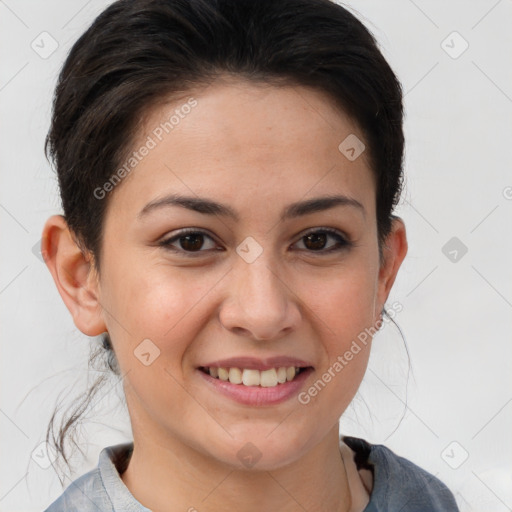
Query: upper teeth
[[265, 378]]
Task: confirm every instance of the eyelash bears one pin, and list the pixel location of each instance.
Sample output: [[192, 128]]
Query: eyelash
[[343, 243]]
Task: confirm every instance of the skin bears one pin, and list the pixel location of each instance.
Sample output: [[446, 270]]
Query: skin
[[257, 149]]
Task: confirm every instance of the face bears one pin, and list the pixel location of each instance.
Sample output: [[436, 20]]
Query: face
[[267, 274]]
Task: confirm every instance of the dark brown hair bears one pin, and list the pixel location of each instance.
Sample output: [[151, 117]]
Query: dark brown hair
[[138, 53]]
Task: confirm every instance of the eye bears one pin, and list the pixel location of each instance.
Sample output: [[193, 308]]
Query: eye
[[189, 241], [192, 240], [317, 240]]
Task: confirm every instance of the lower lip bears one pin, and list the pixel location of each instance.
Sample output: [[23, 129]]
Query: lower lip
[[257, 395]]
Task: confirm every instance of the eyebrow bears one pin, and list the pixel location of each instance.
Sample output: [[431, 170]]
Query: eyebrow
[[210, 207]]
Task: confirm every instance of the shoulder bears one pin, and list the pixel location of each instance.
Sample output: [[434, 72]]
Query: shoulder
[[85, 494], [398, 483], [101, 489]]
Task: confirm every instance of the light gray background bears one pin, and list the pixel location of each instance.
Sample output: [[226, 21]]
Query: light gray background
[[456, 314]]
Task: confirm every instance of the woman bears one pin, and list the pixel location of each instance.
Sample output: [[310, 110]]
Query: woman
[[228, 172]]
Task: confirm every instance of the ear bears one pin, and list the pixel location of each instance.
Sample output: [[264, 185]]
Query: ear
[[74, 275], [393, 253]]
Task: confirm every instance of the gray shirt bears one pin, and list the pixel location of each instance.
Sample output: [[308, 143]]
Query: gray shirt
[[398, 484]]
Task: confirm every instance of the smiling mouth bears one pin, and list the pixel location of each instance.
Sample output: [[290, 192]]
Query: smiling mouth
[[255, 378]]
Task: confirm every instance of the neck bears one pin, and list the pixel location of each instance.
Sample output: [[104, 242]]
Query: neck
[[177, 477]]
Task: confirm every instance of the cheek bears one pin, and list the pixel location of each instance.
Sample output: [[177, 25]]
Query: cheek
[[344, 303], [344, 317], [157, 316], [155, 303], [343, 309]]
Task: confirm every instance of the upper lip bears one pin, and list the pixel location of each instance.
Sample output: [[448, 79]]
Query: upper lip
[[253, 363]]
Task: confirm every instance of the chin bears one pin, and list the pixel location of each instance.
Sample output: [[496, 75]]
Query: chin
[[265, 449]]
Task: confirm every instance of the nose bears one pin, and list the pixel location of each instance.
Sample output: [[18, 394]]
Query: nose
[[260, 304]]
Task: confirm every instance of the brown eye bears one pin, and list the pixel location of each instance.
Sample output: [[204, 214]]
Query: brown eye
[[189, 241], [318, 241], [315, 241]]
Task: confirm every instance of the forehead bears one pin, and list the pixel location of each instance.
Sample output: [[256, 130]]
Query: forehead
[[237, 140]]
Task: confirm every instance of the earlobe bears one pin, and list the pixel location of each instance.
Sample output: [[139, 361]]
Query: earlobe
[[74, 276], [394, 251]]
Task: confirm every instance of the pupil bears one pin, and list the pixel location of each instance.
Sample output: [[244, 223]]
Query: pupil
[[192, 242], [318, 241]]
